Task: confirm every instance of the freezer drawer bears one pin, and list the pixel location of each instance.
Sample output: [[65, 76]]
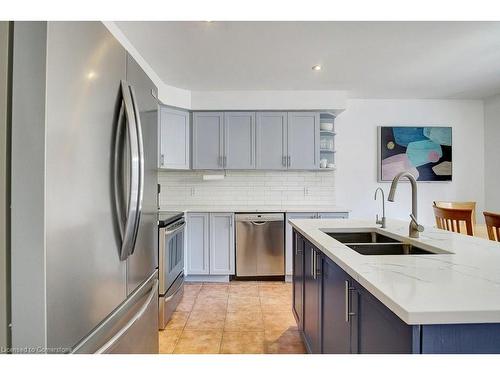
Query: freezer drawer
[[260, 245], [132, 328]]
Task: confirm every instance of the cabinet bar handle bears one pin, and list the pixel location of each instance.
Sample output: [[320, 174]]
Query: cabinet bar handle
[[315, 264], [346, 291], [289, 160], [312, 262]]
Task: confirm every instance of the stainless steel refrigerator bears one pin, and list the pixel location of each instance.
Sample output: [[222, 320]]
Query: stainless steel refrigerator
[[83, 217]]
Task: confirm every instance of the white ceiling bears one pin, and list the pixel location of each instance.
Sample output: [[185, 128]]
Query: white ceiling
[[367, 59]]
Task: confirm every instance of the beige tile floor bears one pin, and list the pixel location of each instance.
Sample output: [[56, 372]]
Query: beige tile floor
[[240, 317]]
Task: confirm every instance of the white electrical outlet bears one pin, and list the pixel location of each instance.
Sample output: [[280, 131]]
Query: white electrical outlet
[[193, 191], [306, 191]]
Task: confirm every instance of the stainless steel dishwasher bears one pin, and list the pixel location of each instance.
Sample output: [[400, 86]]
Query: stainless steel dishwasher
[[260, 247]]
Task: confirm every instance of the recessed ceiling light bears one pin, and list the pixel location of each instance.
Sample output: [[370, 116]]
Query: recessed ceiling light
[[316, 67]]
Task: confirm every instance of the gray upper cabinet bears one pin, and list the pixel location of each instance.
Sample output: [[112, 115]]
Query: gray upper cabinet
[[239, 140], [174, 138], [250, 140], [221, 244], [208, 138], [271, 144], [303, 140]]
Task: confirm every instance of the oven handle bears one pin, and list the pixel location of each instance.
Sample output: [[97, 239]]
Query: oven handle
[[177, 229]]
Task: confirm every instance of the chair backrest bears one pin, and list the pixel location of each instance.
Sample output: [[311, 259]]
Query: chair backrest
[[451, 218], [492, 221], [459, 205]]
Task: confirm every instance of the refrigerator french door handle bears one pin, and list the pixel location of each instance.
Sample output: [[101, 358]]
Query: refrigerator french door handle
[[131, 322], [120, 214], [140, 181], [127, 222]]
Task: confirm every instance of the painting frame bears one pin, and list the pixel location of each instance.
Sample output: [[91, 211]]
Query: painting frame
[[428, 177]]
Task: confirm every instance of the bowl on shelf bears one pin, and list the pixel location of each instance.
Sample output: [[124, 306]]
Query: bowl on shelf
[[326, 126], [330, 165]]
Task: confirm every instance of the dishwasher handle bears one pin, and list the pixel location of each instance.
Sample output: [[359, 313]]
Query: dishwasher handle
[[259, 219], [259, 223]]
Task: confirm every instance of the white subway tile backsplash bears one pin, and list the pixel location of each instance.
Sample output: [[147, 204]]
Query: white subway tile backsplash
[[277, 189]]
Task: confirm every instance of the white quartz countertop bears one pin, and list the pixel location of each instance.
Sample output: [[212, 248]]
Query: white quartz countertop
[[462, 286], [266, 208]]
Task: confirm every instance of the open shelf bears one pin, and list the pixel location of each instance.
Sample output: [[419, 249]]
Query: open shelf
[[327, 140]]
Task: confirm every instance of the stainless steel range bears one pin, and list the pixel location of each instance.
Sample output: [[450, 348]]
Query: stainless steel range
[[171, 265]]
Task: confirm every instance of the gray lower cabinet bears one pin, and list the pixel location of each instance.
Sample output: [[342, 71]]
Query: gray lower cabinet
[[338, 315], [222, 250], [303, 140], [298, 279], [271, 143], [239, 140], [312, 298], [377, 329], [174, 138], [197, 244], [210, 243], [208, 140], [336, 309]]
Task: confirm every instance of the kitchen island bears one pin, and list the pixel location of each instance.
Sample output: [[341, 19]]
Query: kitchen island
[[443, 299]]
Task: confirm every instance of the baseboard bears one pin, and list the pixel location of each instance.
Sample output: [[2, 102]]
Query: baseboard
[[207, 278]]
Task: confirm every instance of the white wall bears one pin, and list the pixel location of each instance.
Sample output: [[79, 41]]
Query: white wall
[[492, 153], [269, 100], [166, 94], [356, 175]]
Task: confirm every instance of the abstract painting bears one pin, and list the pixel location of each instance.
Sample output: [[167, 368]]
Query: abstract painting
[[425, 152]]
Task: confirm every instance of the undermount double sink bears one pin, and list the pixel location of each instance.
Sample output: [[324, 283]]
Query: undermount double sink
[[373, 243]]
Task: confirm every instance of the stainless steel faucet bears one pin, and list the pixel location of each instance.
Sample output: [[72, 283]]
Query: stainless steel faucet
[[415, 227], [382, 221]]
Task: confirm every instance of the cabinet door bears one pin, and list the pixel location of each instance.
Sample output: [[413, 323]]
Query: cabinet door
[[174, 138], [271, 140], [221, 244], [207, 140], [312, 300], [303, 140], [288, 237], [197, 250], [378, 330], [239, 140], [298, 279], [335, 326]]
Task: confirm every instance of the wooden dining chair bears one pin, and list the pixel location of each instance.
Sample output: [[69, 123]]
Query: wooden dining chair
[[451, 219], [459, 205], [492, 221]]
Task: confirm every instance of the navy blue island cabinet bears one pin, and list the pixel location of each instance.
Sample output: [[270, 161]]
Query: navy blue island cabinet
[[336, 315]]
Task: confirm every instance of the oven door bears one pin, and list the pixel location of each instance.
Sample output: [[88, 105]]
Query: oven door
[[171, 254]]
